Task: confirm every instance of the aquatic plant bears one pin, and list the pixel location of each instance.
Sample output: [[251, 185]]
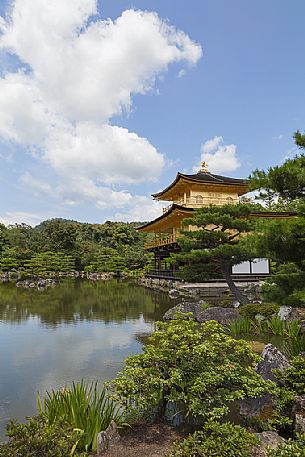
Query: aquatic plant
[[240, 326], [277, 326], [294, 346], [83, 406], [293, 329]]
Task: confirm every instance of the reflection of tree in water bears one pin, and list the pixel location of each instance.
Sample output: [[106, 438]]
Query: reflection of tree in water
[[72, 301]]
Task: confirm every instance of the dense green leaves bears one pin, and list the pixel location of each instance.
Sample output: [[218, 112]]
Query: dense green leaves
[[212, 250], [83, 406], [286, 181], [199, 368], [293, 448], [37, 438], [216, 439], [283, 188], [293, 378], [61, 245]]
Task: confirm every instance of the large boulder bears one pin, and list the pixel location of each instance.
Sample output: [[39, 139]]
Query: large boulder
[[201, 314], [268, 440], [174, 293], [253, 292], [272, 359], [222, 315], [184, 307], [299, 414], [288, 313], [107, 438]]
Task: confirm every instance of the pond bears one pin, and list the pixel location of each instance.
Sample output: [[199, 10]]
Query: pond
[[79, 329]]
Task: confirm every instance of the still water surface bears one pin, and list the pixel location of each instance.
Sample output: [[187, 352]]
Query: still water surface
[[79, 329]]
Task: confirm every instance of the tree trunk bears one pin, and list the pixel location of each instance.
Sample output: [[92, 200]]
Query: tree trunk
[[226, 272]]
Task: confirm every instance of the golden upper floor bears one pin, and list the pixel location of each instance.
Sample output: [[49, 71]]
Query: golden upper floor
[[203, 189]]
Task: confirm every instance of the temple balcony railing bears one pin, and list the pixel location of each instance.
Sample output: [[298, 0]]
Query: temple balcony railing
[[200, 201], [162, 241]]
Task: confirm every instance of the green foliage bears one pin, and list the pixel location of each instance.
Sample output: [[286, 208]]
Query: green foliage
[[216, 246], [252, 309], [216, 439], [9, 259], [48, 262], [293, 448], [198, 367], [286, 286], [240, 326], [107, 259], [82, 406], [286, 181], [282, 188], [292, 383], [274, 325], [299, 139], [294, 346], [293, 378], [113, 246], [37, 438]]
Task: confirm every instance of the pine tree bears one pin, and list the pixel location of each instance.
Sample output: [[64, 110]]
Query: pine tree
[[217, 246]]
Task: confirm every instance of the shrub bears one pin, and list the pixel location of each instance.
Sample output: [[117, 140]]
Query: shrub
[[293, 378], [198, 367], [265, 309], [292, 381], [37, 438], [82, 406], [293, 448], [221, 440]]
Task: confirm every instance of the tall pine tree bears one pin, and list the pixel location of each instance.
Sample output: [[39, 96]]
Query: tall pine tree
[[215, 244]]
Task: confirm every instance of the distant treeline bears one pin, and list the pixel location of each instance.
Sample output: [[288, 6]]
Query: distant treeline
[[65, 245]]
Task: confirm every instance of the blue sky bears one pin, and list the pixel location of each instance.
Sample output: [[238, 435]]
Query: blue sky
[[91, 141]]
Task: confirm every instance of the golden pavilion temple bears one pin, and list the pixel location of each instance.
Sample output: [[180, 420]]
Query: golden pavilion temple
[[186, 193]]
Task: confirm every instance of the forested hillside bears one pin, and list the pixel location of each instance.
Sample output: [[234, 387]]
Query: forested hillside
[[64, 245]]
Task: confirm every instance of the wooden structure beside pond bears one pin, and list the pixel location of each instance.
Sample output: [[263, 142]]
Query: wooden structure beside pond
[[186, 193]]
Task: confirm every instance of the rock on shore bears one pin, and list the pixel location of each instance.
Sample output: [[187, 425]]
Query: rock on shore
[[216, 313]]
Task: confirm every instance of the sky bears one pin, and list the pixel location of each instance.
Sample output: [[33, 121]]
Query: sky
[[102, 103]]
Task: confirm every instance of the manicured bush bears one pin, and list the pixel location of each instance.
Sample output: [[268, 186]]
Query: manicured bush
[[221, 440], [83, 406], [37, 438], [265, 309], [199, 368]]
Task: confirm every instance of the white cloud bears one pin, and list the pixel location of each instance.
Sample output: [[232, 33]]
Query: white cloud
[[77, 75], [140, 209], [40, 186], [109, 154], [83, 190], [221, 158], [24, 217]]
